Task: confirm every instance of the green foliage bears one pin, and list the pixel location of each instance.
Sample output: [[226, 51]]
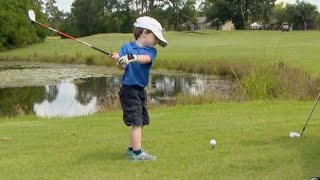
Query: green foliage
[[188, 12], [261, 83], [278, 82], [86, 16], [99, 16], [304, 15], [301, 15], [218, 11], [89, 60], [67, 25], [15, 27], [242, 13]]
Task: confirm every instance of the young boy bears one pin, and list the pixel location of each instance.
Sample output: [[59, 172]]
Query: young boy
[[137, 58]]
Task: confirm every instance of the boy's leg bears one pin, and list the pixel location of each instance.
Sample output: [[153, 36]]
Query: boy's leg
[[138, 154], [134, 141], [135, 138]]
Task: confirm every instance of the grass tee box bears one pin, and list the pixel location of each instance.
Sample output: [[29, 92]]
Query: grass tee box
[[252, 143], [298, 48]]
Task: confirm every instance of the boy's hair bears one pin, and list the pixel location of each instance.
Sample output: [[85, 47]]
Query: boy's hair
[[137, 31]]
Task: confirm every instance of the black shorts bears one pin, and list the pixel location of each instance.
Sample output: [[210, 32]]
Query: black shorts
[[133, 102]]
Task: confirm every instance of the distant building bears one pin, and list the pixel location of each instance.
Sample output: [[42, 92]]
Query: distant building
[[202, 24], [255, 25], [227, 26]]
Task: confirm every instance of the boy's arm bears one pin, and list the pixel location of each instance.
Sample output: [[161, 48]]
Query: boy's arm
[[143, 59]]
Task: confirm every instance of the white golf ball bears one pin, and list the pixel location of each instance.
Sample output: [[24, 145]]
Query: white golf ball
[[294, 134], [213, 142]]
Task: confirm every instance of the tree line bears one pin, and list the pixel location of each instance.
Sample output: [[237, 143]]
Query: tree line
[[105, 16]]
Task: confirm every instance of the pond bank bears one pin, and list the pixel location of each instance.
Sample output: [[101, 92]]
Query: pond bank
[[49, 90], [22, 74]]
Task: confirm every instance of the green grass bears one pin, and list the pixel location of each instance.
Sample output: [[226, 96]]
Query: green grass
[[296, 48], [252, 137], [252, 143]]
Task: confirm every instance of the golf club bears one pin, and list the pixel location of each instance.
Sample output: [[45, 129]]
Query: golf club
[[295, 134], [32, 17]]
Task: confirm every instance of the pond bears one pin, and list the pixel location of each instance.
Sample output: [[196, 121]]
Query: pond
[[77, 94]]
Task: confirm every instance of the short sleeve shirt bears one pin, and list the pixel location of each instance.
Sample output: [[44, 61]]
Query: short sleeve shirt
[[137, 74]]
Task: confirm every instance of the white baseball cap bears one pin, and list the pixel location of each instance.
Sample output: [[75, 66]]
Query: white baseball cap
[[153, 25]]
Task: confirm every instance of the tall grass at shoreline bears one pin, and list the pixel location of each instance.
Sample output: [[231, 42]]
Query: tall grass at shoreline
[[260, 81], [279, 82]]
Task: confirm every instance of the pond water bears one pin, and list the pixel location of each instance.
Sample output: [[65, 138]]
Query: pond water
[[82, 96]]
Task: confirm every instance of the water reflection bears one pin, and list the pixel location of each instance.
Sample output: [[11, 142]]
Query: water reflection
[[68, 100], [20, 100], [171, 85], [86, 96]]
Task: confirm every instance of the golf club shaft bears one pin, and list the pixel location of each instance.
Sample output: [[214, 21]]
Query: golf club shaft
[[70, 37], [314, 107]]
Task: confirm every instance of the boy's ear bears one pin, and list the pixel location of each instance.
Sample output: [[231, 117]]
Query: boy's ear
[[145, 31]]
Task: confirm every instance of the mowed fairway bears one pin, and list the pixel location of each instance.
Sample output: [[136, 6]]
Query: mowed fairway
[[252, 137], [252, 143], [296, 48]]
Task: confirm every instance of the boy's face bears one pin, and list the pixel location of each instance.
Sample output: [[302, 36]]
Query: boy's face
[[150, 39]]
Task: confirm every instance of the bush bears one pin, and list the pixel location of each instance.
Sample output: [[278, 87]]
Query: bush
[[15, 28]]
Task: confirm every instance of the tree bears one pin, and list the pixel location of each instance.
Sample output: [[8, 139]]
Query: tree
[[318, 22], [174, 10], [55, 17], [279, 13], [100, 16], [254, 11], [306, 13], [241, 12], [219, 11], [188, 12], [15, 29], [86, 16], [144, 6], [159, 12], [51, 10], [301, 15], [262, 11]]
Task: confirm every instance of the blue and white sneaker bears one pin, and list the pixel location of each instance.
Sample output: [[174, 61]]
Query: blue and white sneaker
[[128, 153], [143, 156]]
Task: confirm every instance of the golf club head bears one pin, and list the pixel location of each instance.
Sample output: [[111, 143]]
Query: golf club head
[[294, 135], [315, 178], [31, 15]]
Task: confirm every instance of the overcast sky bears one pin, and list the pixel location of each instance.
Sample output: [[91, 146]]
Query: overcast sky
[[65, 5], [315, 2]]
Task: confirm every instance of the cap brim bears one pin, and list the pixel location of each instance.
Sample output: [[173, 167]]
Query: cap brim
[[162, 41]]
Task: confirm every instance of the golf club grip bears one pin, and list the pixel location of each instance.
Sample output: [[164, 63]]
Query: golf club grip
[[101, 50]]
